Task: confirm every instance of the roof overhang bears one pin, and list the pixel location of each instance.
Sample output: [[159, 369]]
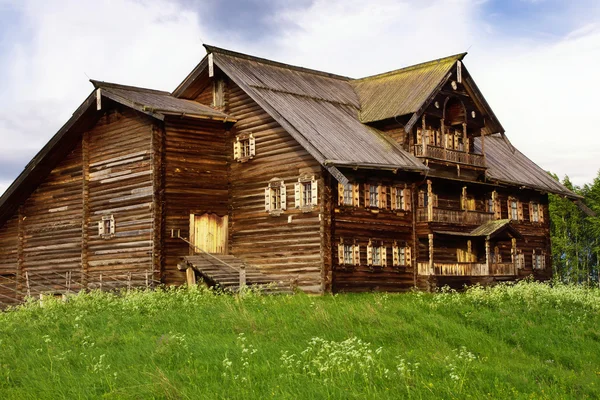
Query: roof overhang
[[490, 230]]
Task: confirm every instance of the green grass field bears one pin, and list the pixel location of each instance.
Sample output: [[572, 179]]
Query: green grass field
[[525, 341]]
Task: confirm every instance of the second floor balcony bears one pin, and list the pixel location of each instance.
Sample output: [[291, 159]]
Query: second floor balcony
[[446, 154], [461, 217]]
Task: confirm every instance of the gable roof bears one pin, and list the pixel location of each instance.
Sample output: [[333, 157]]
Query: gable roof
[[154, 103], [402, 91], [157, 103], [319, 110], [506, 164]]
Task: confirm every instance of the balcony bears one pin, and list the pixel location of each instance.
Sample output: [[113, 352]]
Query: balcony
[[462, 217], [467, 269], [444, 154]]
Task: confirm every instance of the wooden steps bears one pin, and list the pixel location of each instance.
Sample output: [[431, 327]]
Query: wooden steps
[[224, 270]]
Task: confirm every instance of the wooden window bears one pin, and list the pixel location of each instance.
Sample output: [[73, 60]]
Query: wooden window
[[400, 255], [306, 193], [490, 205], [520, 260], [106, 227], [244, 148], [538, 260], [534, 212], [348, 253], [400, 198], [376, 254], [373, 195], [513, 209], [346, 194], [275, 197]]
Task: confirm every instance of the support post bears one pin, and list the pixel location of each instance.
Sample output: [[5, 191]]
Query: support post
[[487, 254], [424, 136], [429, 201], [242, 276], [431, 253]]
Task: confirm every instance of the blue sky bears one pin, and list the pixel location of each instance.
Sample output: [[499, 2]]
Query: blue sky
[[535, 60]]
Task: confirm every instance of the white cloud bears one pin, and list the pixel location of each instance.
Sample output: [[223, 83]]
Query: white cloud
[[544, 94]]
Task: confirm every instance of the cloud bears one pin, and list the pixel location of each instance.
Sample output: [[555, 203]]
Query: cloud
[[541, 84]]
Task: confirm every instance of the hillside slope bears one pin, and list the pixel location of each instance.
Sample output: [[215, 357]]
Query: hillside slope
[[526, 341]]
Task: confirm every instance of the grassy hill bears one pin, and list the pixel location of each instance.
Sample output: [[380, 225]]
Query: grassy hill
[[524, 341]]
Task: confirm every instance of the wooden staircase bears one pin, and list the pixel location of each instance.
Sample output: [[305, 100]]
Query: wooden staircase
[[229, 273]]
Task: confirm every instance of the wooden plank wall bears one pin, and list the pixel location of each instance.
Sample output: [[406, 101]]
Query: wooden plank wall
[[195, 168], [121, 184], [51, 226], [282, 248], [361, 224], [9, 266]]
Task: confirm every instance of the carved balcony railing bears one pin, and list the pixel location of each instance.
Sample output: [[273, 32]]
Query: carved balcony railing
[[467, 269], [465, 217], [444, 154]]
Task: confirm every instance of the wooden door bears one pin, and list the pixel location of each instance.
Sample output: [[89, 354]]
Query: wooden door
[[209, 232]]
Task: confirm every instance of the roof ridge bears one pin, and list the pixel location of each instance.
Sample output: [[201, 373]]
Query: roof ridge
[[103, 84], [214, 49], [458, 56]]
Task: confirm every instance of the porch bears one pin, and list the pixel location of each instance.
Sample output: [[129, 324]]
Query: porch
[[466, 217], [488, 250], [446, 154]]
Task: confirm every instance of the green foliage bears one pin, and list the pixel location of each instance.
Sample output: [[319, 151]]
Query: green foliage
[[575, 235], [529, 340]]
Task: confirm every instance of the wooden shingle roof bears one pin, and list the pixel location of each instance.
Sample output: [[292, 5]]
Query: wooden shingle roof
[[319, 110], [402, 91]]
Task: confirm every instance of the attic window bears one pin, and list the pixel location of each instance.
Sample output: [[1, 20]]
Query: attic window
[[244, 147], [106, 227], [454, 85], [473, 114]]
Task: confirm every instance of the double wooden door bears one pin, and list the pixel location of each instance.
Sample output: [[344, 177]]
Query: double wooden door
[[208, 232]]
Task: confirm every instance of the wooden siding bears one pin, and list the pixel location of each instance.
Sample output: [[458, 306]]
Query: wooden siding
[[278, 246], [51, 226], [195, 183], [9, 255], [121, 184], [359, 225]]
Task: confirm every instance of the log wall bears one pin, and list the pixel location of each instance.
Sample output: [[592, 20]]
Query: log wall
[[358, 225], [195, 167], [121, 185], [279, 246]]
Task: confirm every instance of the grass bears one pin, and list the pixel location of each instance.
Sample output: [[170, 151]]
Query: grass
[[525, 341]]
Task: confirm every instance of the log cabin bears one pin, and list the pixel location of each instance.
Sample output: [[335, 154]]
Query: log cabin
[[254, 171]]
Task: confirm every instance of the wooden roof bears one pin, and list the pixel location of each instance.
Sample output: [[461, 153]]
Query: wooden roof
[[154, 103], [319, 110], [157, 103], [506, 164], [488, 230], [402, 91]]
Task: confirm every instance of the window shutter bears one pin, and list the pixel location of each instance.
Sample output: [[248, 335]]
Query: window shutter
[[237, 149], [370, 253], [340, 194], [383, 256], [252, 146], [356, 254], [101, 228], [112, 226], [421, 198], [383, 196], [268, 199], [543, 266], [395, 255], [531, 211], [314, 187], [520, 210], [541, 213], [497, 206], [407, 255], [435, 200], [406, 205], [393, 198], [297, 194], [356, 194], [283, 196], [341, 253], [509, 208], [367, 195]]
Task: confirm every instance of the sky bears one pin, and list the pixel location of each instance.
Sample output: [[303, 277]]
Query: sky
[[535, 61]]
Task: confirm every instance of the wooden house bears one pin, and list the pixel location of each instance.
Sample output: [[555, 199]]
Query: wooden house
[[256, 171]]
